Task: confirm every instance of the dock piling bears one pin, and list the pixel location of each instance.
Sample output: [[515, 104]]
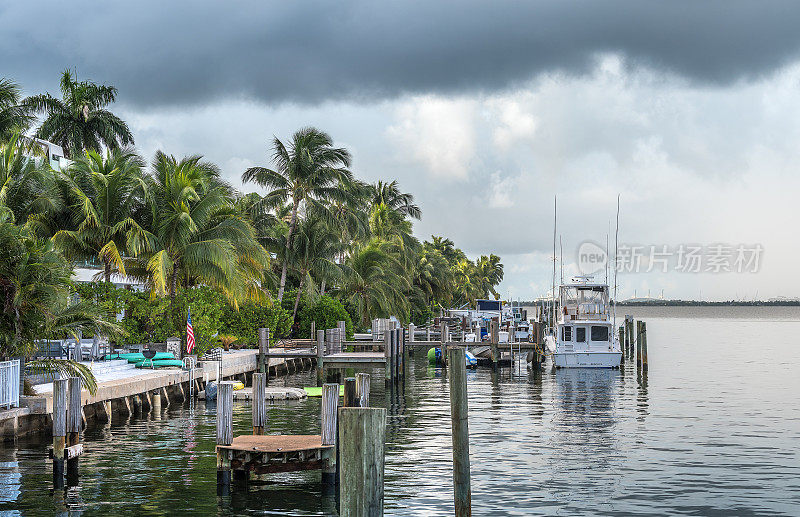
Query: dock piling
[[330, 406], [494, 341], [320, 357], [362, 432], [259, 403], [59, 429], [387, 352], [362, 389], [460, 428], [224, 435], [350, 392], [74, 424], [263, 352], [644, 346]]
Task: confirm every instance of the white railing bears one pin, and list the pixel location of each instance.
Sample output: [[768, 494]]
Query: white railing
[[9, 383]]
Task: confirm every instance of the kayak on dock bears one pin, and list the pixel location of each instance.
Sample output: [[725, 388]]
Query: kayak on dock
[[159, 363], [315, 391]]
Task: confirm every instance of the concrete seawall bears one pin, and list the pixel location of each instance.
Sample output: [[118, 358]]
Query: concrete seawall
[[132, 393]]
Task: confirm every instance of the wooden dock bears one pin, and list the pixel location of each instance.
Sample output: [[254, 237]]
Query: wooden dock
[[268, 454]]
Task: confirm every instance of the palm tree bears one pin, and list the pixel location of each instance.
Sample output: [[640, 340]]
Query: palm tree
[[313, 256], [489, 273], [389, 194], [14, 115], [374, 282], [433, 277], [197, 235], [36, 294], [108, 191], [447, 248], [308, 172], [27, 188], [79, 121]]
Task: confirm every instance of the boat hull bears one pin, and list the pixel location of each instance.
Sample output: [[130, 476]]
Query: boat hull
[[587, 359]]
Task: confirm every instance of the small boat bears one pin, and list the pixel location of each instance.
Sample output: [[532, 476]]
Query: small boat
[[584, 335]]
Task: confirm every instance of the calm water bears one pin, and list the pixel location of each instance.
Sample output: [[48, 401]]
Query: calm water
[[714, 429]]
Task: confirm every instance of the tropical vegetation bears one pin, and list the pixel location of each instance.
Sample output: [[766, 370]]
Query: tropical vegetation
[[314, 244]]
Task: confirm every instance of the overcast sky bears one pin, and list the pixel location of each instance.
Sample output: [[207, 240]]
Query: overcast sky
[[484, 111]]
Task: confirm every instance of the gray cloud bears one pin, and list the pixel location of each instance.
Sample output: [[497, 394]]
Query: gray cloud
[[170, 53]]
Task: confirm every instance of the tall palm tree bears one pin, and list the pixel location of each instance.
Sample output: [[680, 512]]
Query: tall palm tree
[[79, 121], [489, 273], [433, 276], [313, 256], [197, 236], [27, 187], [307, 172], [15, 117], [447, 248], [389, 194], [108, 191]]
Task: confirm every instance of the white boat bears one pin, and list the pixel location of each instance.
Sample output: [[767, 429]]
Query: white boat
[[584, 335]]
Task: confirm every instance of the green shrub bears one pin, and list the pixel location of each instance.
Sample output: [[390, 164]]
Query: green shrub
[[325, 313], [245, 322]]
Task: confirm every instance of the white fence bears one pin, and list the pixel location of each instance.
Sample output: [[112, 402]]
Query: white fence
[[9, 383]]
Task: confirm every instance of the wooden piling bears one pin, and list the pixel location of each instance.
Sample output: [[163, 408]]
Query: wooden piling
[[156, 399], [457, 373], [263, 352], [350, 392], [224, 434], [622, 343], [494, 341], [644, 346], [313, 330], [59, 429], [362, 432], [387, 352], [362, 389], [638, 344], [74, 423], [398, 355], [320, 357], [411, 330], [259, 403], [329, 413], [443, 331]]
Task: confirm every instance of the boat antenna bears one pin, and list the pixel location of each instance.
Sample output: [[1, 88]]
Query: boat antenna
[[616, 266], [607, 261], [561, 254], [553, 299]]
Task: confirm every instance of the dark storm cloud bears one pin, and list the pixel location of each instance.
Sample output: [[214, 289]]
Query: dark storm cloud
[[161, 53]]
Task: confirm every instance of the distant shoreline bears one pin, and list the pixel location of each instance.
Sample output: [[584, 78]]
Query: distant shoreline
[[692, 303]]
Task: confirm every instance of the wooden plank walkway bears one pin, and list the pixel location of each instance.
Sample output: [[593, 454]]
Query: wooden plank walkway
[[265, 454]]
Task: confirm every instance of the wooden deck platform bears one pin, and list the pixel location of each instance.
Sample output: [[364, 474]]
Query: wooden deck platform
[[265, 454], [354, 358]]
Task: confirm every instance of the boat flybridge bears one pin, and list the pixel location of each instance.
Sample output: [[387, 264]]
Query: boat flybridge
[[584, 335]]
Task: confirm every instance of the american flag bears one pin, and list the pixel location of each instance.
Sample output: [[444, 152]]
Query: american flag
[[189, 333]]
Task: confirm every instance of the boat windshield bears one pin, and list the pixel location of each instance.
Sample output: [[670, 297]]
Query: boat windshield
[[577, 295]]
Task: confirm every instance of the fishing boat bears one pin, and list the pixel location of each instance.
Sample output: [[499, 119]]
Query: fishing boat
[[584, 334]]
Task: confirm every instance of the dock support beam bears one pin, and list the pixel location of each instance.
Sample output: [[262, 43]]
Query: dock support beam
[[59, 430], [362, 432], [74, 423], [387, 352], [638, 344], [362, 389], [320, 357], [350, 392], [644, 346], [330, 406], [494, 341], [259, 403], [224, 436], [457, 373], [263, 352]]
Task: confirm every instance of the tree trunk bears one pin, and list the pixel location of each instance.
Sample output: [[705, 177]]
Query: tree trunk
[[107, 270], [297, 298], [322, 288], [285, 266]]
